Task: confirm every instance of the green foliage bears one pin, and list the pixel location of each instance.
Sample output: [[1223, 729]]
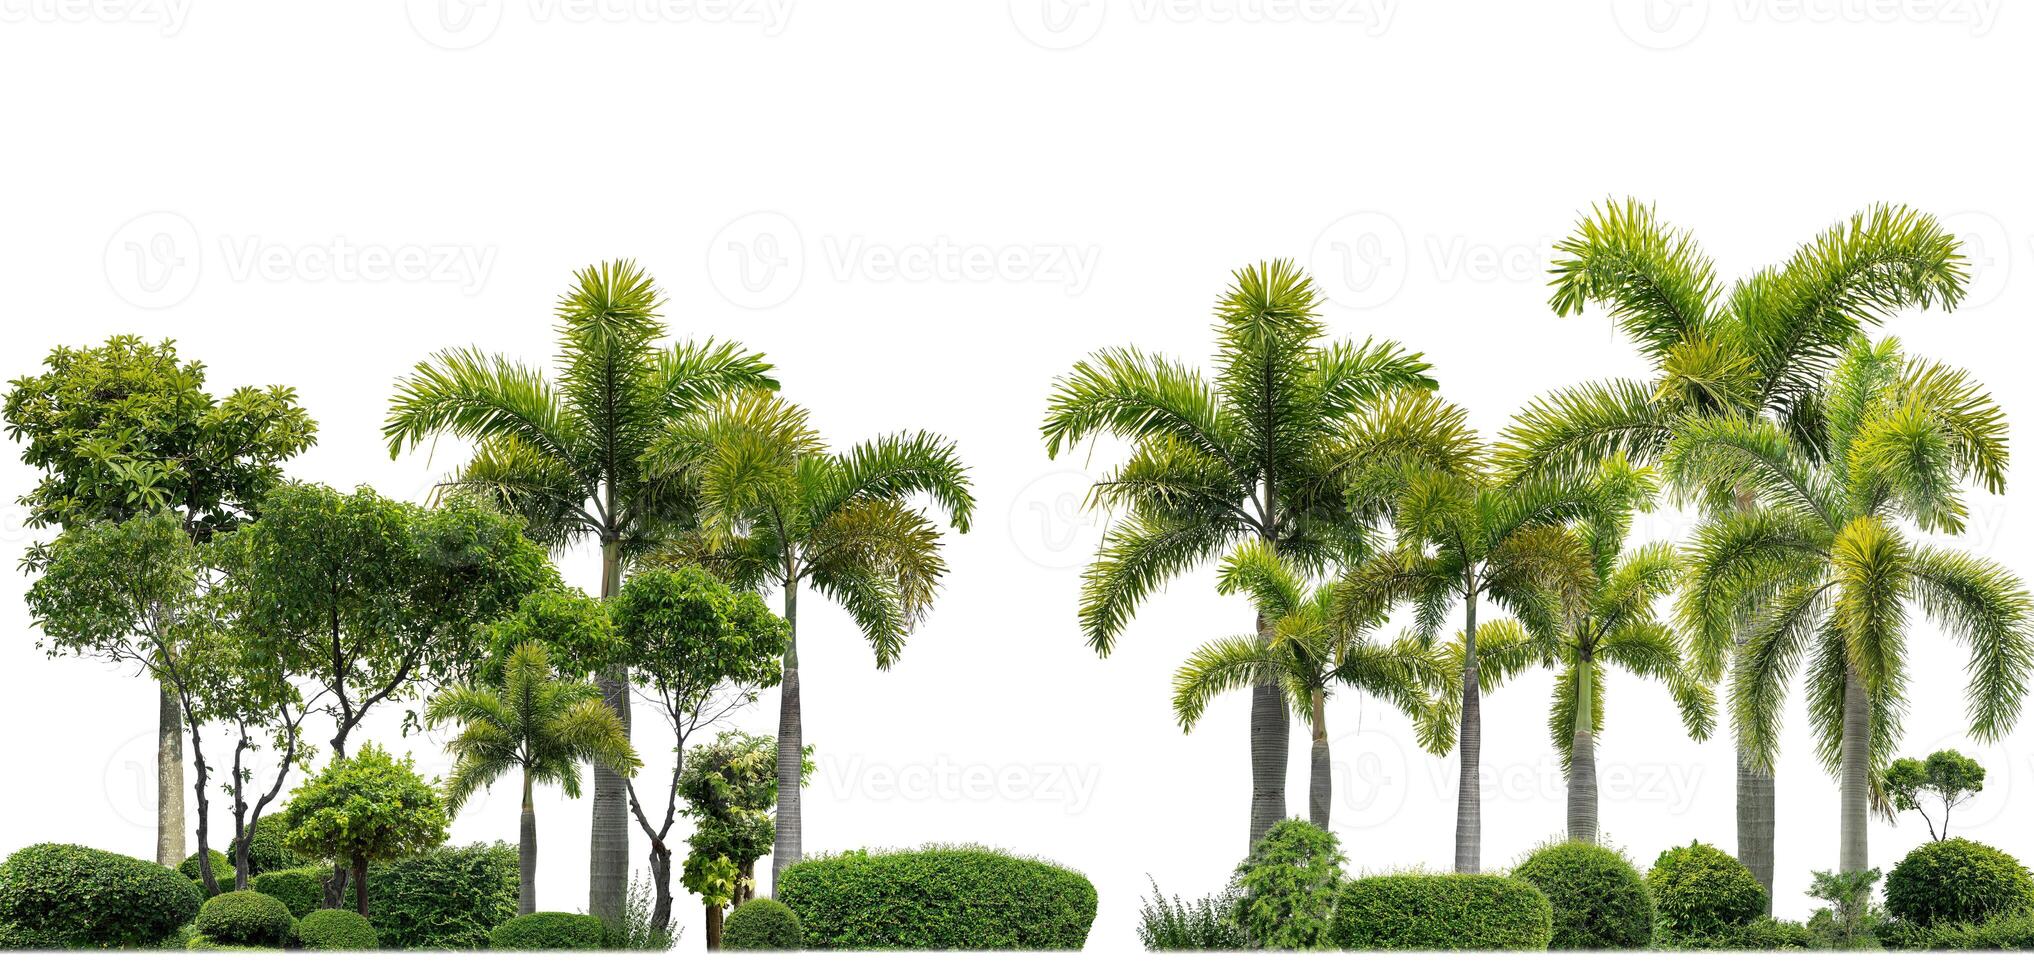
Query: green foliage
[[577, 631], [1764, 933], [1176, 924], [336, 929], [760, 923], [369, 807], [535, 724], [1958, 882], [549, 930], [245, 918], [450, 898], [1285, 889], [730, 788], [938, 898], [1949, 776], [1598, 899], [71, 897], [267, 847], [1851, 915], [302, 889], [636, 931], [2004, 932], [1423, 911], [222, 869], [1701, 891], [199, 942]]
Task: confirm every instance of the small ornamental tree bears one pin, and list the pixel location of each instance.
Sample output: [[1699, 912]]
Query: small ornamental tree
[[1286, 887], [1949, 777], [730, 791], [370, 807]]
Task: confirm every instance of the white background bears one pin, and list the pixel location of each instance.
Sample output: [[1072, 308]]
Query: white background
[[925, 211]]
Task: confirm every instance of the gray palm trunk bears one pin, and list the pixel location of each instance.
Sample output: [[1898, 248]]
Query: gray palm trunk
[[609, 860], [1856, 772], [1270, 747], [169, 777], [789, 846], [1582, 797], [526, 897], [1756, 818], [1469, 791], [1320, 787]]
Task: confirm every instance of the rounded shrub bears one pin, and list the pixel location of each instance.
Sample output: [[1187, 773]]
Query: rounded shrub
[[1599, 901], [938, 898], [222, 869], [336, 929], [266, 851], [549, 930], [1957, 881], [301, 889], [1421, 911], [450, 898], [760, 923], [246, 918], [1701, 891], [200, 941], [70, 897]]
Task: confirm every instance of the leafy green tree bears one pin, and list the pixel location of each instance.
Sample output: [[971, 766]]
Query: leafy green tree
[[1312, 646], [1852, 914], [535, 723], [568, 456], [1249, 456], [778, 509], [578, 633], [251, 690], [730, 788], [126, 429], [1761, 349], [1820, 572], [1949, 776], [367, 807]]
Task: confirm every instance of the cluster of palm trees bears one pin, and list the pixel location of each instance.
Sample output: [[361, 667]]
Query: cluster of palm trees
[[1338, 490]]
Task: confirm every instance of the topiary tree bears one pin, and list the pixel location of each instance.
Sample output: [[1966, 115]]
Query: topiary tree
[[246, 918], [1598, 899], [1957, 881], [1286, 887], [302, 889], [371, 807], [1701, 891], [222, 869], [762, 924], [730, 788], [336, 929], [549, 930], [1949, 776]]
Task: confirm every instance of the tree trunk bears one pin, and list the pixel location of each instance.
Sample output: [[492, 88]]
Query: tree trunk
[[1856, 773], [1755, 822], [660, 876], [1469, 790], [526, 897], [790, 844], [360, 884], [169, 777], [607, 876], [1270, 747], [713, 927], [1320, 784], [1582, 752], [205, 875]]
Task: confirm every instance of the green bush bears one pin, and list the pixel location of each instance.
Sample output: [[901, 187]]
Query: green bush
[[1764, 933], [1177, 924], [1424, 911], [66, 896], [200, 941], [549, 930], [336, 929], [246, 918], [1285, 889], [302, 889], [938, 898], [222, 870], [1598, 898], [451, 898], [760, 923], [2006, 932], [1956, 882], [1701, 891]]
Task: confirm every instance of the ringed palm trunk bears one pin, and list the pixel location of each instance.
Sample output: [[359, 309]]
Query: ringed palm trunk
[[1757, 812], [1320, 787], [526, 896], [169, 777], [609, 861], [1469, 790], [1856, 773], [1270, 747], [1582, 798], [789, 846]]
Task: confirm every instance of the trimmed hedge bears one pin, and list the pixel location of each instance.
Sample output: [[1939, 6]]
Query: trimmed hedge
[[760, 923], [1598, 898], [222, 870], [938, 898], [1421, 911], [451, 898], [1958, 882], [549, 930], [302, 889], [203, 942], [246, 918], [336, 929], [1701, 891], [67, 896], [1761, 933], [2008, 932]]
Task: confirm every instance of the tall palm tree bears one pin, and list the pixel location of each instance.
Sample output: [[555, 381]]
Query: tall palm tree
[[777, 508], [567, 455], [1821, 570], [1761, 349], [1246, 456], [537, 724], [1311, 646]]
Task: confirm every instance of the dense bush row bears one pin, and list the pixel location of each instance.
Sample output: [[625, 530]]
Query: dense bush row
[[1418, 911], [71, 897], [938, 898]]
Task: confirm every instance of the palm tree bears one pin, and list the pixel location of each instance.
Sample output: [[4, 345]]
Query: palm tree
[[1312, 645], [1820, 570], [777, 508], [1248, 456], [567, 455], [535, 723], [1762, 349]]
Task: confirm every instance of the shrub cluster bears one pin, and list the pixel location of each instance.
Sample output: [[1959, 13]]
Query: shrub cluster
[[1700, 891], [450, 898], [1285, 889], [2006, 932], [1599, 901], [245, 918], [1958, 882], [302, 889], [549, 930], [1177, 924], [938, 898], [760, 923], [1422, 911], [1763, 933], [67, 896], [222, 869], [336, 929]]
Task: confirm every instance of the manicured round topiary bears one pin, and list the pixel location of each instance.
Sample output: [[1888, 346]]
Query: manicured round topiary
[[222, 870], [938, 898], [549, 930], [760, 923], [301, 889], [266, 851], [336, 929], [1957, 881], [246, 918], [1599, 900], [1421, 911], [1701, 891], [72, 897]]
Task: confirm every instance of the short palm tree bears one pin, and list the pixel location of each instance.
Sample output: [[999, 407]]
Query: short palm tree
[[567, 455], [778, 509], [1312, 646], [1820, 571], [536, 724], [1246, 455]]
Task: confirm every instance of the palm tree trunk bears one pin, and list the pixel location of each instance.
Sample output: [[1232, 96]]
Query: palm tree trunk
[[169, 777], [1856, 771], [1582, 752], [790, 843], [526, 897], [1270, 747], [1755, 822], [609, 861], [1320, 788], [1469, 790]]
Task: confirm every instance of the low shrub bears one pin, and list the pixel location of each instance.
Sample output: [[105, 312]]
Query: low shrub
[[549, 930], [1177, 924], [302, 889], [2006, 932], [246, 918], [266, 851], [336, 929], [71, 897], [1598, 899], [760, 923], [451, 898], [1285, 889], [938, 898], [1957, 882], [1763, 933], [222, 869], [1700, 891], [1431, 911], [200, 941]]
